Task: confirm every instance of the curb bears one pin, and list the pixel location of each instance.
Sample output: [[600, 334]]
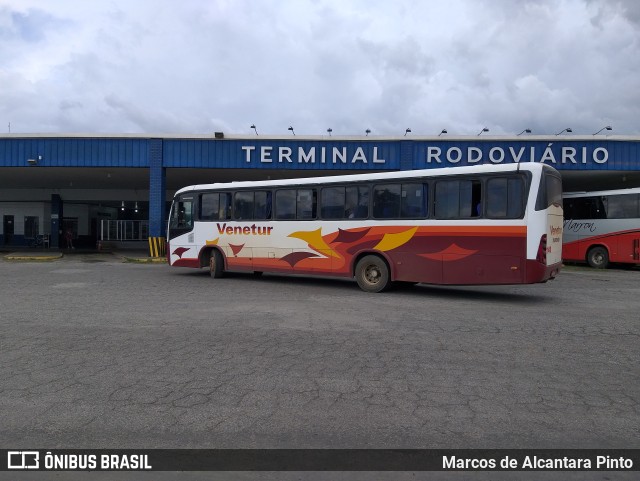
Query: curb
[[46, 258], [146, 260]]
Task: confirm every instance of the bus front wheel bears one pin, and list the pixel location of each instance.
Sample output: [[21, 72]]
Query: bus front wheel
[[216, 265], [372, 274], [598, 257]]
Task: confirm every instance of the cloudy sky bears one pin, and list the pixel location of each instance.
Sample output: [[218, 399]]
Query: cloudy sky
[[198, 66]]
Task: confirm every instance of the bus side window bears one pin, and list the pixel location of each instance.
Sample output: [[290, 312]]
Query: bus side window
[[550, 191], [269, 205], [332, 203], [286, 204], [621, 206], [358, 197], [587, 208], [470, 198], [386, 201], [458, 199], [414, 200], [262, 205], [306, 204], [447, 199], [243, 206], [209, 206], [505, 197], [225, 206]]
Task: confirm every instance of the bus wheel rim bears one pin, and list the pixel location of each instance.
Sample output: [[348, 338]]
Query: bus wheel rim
[[372, 274]]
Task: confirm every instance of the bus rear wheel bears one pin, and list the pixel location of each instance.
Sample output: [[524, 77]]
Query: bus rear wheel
[[216, 265], [372, 274], [598, 257]]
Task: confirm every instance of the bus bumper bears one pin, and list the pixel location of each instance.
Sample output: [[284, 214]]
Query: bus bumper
[[537, 272]]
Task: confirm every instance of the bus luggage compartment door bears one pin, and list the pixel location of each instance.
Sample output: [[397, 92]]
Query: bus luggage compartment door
[[483, 269]]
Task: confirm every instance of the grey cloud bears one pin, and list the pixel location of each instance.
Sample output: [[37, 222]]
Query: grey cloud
[[629, 9], [196, 67], [30, 26]]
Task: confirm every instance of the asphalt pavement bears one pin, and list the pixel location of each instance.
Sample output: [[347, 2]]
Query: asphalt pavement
[[98, 352]]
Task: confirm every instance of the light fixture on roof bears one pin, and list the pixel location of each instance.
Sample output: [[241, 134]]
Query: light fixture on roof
[[291, 129], [608, 127], [136, 207], [408, 131], [329, 130], [484, 129], [367, 132], [525, 131], [443, 131], [568, 130], [122, 205], [253, 126]]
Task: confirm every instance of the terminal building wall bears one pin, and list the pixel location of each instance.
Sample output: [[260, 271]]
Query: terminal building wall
[[30, 159]]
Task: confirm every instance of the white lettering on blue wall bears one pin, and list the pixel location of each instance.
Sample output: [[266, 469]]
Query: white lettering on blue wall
[[499, 155], [311, 155]]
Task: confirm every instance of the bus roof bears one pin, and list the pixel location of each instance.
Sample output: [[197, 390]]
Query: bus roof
[[478, 169], [634, 190]]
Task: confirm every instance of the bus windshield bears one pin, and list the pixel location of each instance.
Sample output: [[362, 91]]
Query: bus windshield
[[181, 218]]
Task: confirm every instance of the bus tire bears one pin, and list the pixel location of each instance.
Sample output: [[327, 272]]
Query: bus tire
[[598, 257], [372, 274], [216, 264]]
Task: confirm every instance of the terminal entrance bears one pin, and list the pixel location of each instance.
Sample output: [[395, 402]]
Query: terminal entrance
[[7, 229]]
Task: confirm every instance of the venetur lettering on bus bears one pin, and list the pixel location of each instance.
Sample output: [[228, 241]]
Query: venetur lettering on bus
[[310, 156], [243, 230], [497, 155]]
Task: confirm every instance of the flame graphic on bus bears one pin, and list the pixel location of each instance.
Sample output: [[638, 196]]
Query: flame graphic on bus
[[341, 244], [451, 253]]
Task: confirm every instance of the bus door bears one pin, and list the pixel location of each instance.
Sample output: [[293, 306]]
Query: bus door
[[181, 236]]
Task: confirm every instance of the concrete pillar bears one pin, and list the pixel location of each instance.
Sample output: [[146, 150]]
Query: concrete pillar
[[157, 189]]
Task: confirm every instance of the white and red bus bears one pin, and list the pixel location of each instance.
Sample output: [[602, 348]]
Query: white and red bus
[[487, 224], [601, 227]]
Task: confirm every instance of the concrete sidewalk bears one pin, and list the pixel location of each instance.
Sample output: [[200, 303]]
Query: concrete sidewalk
[[46, 255]]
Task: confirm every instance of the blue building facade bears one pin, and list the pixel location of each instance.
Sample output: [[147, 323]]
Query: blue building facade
[[21, 155]]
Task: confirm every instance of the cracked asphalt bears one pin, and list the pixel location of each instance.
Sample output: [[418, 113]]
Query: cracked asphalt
[[100, 353]]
